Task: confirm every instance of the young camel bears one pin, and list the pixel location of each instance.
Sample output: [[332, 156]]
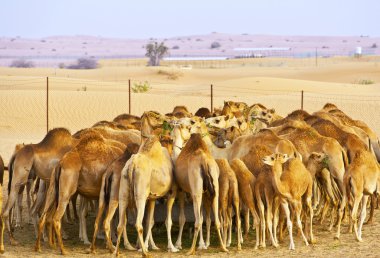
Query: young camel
[[228, 197], [80, 170], [292, 182], [197, 172], [361, 180], [41, 158], [109, 198], [148, 175]]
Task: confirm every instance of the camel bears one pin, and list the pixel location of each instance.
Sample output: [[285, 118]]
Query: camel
[[109, 197], [203, 112], [148, 175], [292, 182], [152, 123], [227, 136], [262, 115], [235, 109], [81, 170], [228, 197], [129, 121], [41, 159], [246, 181], [295, 115], [374, 139], [1, 205], [361, 180], [197, 172], [350, 142], [181, 111]]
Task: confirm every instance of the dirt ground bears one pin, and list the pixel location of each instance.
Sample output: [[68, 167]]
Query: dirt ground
[[326, 246]]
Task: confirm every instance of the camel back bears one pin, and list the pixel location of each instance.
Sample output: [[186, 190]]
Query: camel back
[[56, 136]]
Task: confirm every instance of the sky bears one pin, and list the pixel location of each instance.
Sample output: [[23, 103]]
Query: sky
[[170, 18]]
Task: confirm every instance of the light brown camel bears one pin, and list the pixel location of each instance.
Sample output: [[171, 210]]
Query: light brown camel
[[232, 108], [181, 111], [292, 182], [109, 198], [361, 180], [228, 197], [41, 158], [374, 139], [246, 186], [148, 175], [129, 121], [262, 115], [197, 172], [80, 170]]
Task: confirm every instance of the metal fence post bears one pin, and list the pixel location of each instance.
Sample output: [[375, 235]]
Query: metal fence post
[[302, 100], [212, 98], [47, 104], [129, 96]]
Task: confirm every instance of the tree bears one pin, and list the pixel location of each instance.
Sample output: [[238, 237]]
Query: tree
[[156, 52]]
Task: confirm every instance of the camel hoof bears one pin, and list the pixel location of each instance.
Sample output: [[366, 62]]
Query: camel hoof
[[202, 247], [370, 222], [313, 241], [37, 249], [224, 249], [178, 246], [129, 247], [87, 242], [147, 255], [191, 252], [275, 245], [360, 240], [239, 248], [63, 252], [173, 249], [336, 237]]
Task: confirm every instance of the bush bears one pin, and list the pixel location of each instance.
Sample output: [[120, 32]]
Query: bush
[[21, 63], [61, 65], [84, 63], [170, 75], [140, 87], [175, 47], [374, 45], [364, 81], [215, 44]]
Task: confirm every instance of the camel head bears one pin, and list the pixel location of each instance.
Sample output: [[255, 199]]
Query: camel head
[[217, 121], [275, 158], [317, 162], [329, 106], [226, 136]]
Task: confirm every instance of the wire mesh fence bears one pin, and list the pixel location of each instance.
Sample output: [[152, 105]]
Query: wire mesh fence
[[30, 106]]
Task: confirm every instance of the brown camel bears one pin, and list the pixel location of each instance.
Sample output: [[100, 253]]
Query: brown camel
[[197, 172], [235, 109], [41, 159], [228, 197], [292, 182], [262, 115], [109, 197], [148, 175], [361, 180], [246, 181], [129, 121], [295, 115], [81, 169], [203, 112]]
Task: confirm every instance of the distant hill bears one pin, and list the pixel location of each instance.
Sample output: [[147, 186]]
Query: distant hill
[[51, 51]]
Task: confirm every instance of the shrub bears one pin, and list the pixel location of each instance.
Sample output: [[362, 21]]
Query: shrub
[[155, 52], [84, 63], [170, 75], [364, 81], [21, 63], [215, 44], [374, 45], [61, 65], [175, 47], [140, 87]]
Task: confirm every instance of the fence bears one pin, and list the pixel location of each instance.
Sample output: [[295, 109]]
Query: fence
[[30, 106]]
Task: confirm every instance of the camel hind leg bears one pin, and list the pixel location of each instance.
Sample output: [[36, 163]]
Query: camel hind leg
[[181, 219]]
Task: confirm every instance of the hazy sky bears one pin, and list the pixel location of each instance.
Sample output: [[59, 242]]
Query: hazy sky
[[166, 18]]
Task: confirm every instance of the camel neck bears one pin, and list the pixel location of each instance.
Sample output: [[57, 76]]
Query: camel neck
[[277, 172], [178, 143], [215, 151]]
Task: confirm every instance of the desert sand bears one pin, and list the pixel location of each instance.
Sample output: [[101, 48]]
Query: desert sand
[[78, 99]]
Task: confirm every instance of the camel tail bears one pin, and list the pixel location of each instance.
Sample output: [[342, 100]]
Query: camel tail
[[207, 179], [107, 189], [1, 170], [10, 170], [345, 160], [349, 189], [56, 182], [37, 186]]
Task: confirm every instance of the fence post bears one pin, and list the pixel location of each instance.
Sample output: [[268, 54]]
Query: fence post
[[212, 98], [129, 96], [47, 104], [316, 56], [301, 99]]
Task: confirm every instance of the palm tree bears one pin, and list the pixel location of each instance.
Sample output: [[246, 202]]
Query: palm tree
[[156, 52]]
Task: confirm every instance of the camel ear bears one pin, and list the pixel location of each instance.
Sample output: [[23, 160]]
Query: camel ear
[[227, 117], [269, 160], [272, 110]]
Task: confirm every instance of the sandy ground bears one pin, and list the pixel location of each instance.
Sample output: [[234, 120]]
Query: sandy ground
[[326, 246]]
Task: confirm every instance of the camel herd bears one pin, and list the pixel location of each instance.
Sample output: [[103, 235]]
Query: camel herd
[[236, 162]]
